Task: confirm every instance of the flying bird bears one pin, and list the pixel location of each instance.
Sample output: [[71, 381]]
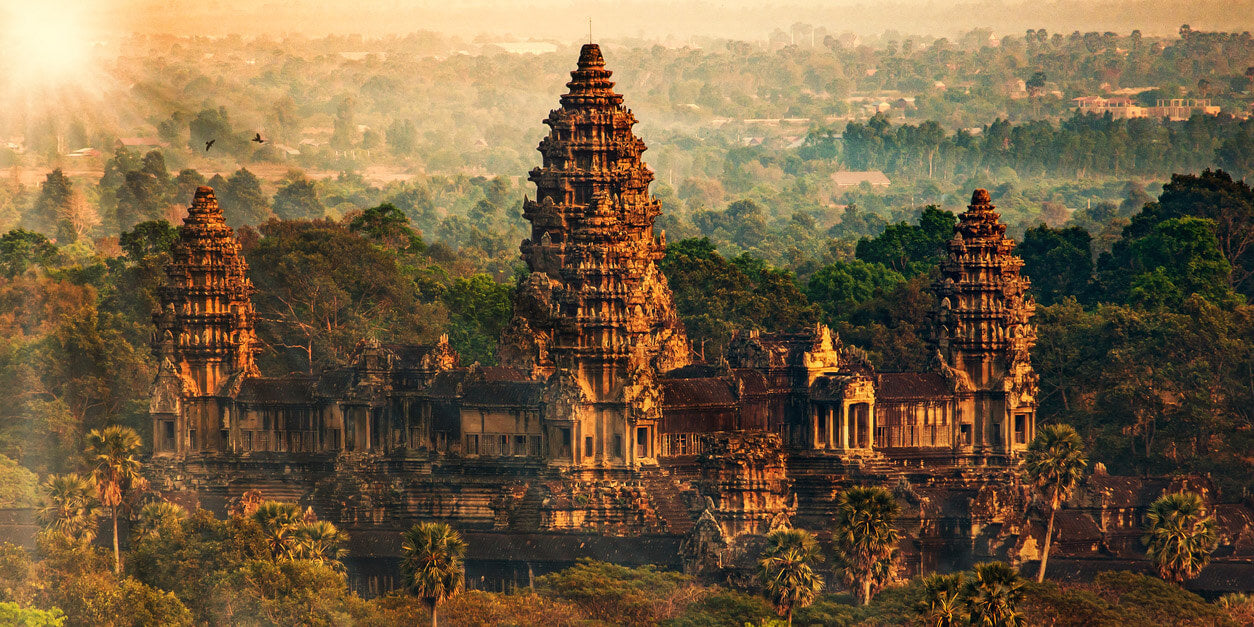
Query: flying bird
[[209, 144], [258, 139]]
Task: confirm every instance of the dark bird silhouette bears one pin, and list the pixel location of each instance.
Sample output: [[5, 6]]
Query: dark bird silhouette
[[209, 144], [258, 139]]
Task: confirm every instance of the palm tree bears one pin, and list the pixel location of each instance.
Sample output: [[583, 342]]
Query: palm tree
[[864, 539], [789, 580], [68, 506], [157, 514], [279, 522], [781, 540], [113, 454], [320, 541], [1054, 465], [431, 563], [942, 600], [992, 596], [1179, 536]]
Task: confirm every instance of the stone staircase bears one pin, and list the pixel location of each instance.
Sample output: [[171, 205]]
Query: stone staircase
[[527, 517], [668, 501]]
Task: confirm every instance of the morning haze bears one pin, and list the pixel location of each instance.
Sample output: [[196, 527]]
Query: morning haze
[[626, 313]]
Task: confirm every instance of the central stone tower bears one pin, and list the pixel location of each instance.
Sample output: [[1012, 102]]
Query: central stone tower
[[984, 334], [595, 317], [204, 339]]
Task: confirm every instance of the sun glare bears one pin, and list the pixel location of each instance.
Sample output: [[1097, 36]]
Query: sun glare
[[44, 43]]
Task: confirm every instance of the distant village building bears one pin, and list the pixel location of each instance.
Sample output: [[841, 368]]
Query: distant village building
[[1122, 107]]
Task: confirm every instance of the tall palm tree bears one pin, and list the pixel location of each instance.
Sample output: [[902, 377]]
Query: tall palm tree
[[68, 506], [113, 453], [864, 539], [789, 580], [279, 522], [781, 540], [1054, 465], [1179, 536], [942, 600], [992, 596], [157, 514], [320, 541], [431, 563]]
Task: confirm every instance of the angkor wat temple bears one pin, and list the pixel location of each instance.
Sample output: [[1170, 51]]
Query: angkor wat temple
[[600, 434]]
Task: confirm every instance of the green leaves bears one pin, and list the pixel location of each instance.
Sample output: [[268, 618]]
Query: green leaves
[[864, 539], [1179, 536], [431, 562]]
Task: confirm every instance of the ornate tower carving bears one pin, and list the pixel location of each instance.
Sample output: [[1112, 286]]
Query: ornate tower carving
[[984, 332], [204, 339], [596, 306]]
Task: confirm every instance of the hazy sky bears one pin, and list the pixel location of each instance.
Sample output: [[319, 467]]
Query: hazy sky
[[566, 20]]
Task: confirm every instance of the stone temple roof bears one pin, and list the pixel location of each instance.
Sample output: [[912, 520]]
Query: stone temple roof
[[696, 392], [909, 385], [283, 390]]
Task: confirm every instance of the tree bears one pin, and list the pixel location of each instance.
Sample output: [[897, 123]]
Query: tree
[[909, 249], [864, 540], [789, 580], [298, 200], [113, 454], [389, 226], [52, 204], [942, 600], [1054, 465], [21, 249], [156, 516], [1179, 536], [993, 594], [838, 287], [279, 523], [68, 507], [242, 201], [140, 198], [431, 563], [319, 541], [155, 237], [615, 594], [1058, 261]]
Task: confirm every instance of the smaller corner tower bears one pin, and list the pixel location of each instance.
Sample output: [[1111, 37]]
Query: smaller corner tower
[[204, 339], [983, 334]]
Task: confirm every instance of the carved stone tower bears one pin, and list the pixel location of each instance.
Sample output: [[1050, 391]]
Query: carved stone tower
[[596, 315], [984, 332], [204, 339]]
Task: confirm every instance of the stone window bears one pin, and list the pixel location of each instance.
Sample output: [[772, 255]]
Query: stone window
[[588, 447], [565, 451], [966, 435], [472, 445], [1021, 429], [520, 445], [618, 445]]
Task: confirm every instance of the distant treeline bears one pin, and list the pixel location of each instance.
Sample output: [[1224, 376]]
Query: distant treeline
[[1086, 145]]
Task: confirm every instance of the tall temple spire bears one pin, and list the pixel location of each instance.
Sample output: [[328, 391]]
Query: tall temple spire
[[983, 328], [205, 326], [596, 309]]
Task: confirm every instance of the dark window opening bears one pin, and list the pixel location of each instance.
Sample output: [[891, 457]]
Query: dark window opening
[[588, 446], [618, 445]]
